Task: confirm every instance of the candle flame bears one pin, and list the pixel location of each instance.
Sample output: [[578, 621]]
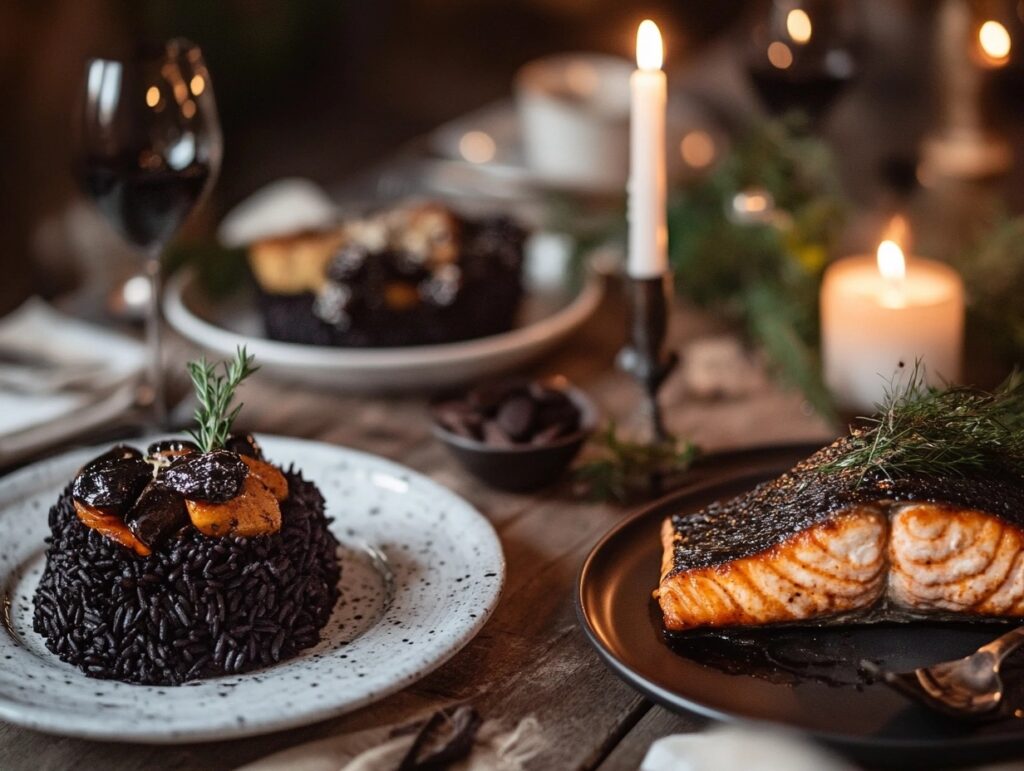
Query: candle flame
[[995, 42], [893, 267], [649, 53], [898, 230], [891, 263]]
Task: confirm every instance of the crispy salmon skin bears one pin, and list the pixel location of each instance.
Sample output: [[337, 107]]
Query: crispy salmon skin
[[802, 548]]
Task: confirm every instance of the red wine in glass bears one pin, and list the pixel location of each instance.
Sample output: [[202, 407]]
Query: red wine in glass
[[801, 54], [148, 149], [147, 207], [812, 92]]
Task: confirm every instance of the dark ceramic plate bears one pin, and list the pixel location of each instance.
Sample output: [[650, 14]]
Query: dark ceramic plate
[[806, 678]]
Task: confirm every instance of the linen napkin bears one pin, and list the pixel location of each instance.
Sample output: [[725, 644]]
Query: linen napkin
[[467, 744], [752, 749], [60, 376]]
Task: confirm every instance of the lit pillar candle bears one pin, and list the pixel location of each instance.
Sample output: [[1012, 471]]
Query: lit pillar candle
[[648, 232], [880, 310]]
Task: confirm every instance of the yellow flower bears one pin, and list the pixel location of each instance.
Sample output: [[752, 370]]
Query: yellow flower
[[811, 257]]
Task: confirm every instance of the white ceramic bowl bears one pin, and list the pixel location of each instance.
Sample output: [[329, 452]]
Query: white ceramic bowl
[[574, 115]]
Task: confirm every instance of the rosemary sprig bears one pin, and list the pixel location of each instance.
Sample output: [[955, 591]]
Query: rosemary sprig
[[623, 471], [927, 431], [214, 415]]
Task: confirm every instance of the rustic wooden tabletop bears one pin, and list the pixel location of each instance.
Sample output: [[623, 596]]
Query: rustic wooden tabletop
[[531, 658]]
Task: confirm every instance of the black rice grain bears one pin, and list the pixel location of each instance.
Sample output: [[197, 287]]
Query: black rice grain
[[198, 607]]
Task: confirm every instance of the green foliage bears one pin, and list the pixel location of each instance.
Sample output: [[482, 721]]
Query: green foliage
[[625, 471], [993, 273], [764, 275], [775, 322], [214, 415], [922, 430], [221, 270]]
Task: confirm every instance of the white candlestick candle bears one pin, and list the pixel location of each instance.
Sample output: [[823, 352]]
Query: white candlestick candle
[[648, 231], [878, 311]]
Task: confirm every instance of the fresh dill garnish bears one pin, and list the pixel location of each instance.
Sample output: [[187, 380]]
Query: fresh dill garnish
[[921, 430], [625, 471], [214, 391]]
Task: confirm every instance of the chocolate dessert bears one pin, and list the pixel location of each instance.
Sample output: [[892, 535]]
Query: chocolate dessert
[[412, 275]]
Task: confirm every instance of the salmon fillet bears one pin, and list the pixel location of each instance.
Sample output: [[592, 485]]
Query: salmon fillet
[[801, 548], [944, 558]]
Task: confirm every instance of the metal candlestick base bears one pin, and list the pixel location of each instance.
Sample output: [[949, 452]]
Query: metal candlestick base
[[645, 357]]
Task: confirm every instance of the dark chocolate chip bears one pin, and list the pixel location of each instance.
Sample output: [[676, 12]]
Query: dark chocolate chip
[[516, 417], [459, 418], [488, 398], [559, 413], [494, 436], [551, 433]]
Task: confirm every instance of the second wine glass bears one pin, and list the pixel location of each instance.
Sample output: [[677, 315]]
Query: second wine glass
[[801, 54]]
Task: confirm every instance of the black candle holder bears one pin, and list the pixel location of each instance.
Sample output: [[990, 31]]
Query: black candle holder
[[645, 358]]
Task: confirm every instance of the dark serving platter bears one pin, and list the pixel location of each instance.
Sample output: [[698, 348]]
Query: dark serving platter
[[807, 678]]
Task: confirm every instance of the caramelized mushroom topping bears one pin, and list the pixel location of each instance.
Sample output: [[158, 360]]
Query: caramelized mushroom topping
[[245, 445], [210, 476], [112, 481], [166, 452], [156, 515], [140, 502]]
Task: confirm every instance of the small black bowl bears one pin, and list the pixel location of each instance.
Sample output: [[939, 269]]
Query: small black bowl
[[525, 467]]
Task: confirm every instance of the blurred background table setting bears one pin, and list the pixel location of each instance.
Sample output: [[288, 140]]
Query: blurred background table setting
[[546, 257]]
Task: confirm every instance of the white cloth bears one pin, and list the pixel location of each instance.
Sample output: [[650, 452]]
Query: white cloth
[[498, 748], [74, 376], [751, 749]]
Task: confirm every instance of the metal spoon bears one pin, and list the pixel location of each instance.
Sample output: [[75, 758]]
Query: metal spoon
[[966, 687]]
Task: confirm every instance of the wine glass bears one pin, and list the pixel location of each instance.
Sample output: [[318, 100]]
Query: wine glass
[[148, 148], [801, 54]]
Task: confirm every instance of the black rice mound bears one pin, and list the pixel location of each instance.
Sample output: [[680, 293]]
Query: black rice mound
[[197, 607]]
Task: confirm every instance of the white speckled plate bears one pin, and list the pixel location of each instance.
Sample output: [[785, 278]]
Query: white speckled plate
[[422, 570]]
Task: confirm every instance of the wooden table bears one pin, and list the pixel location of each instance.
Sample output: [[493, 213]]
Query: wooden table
[[531, 658]]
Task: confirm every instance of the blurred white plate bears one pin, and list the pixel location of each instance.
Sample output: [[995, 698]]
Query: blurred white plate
[[547, 318], [32, 419]]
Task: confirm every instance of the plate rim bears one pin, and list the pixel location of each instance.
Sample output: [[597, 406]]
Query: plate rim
[[675, 702], [18, 483], [278, 352]]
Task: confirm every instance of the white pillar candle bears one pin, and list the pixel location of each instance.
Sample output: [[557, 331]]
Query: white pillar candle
[[648, 232], [878, 311]]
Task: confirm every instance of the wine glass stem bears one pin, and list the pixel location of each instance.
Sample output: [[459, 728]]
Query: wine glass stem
[[154, 341]]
